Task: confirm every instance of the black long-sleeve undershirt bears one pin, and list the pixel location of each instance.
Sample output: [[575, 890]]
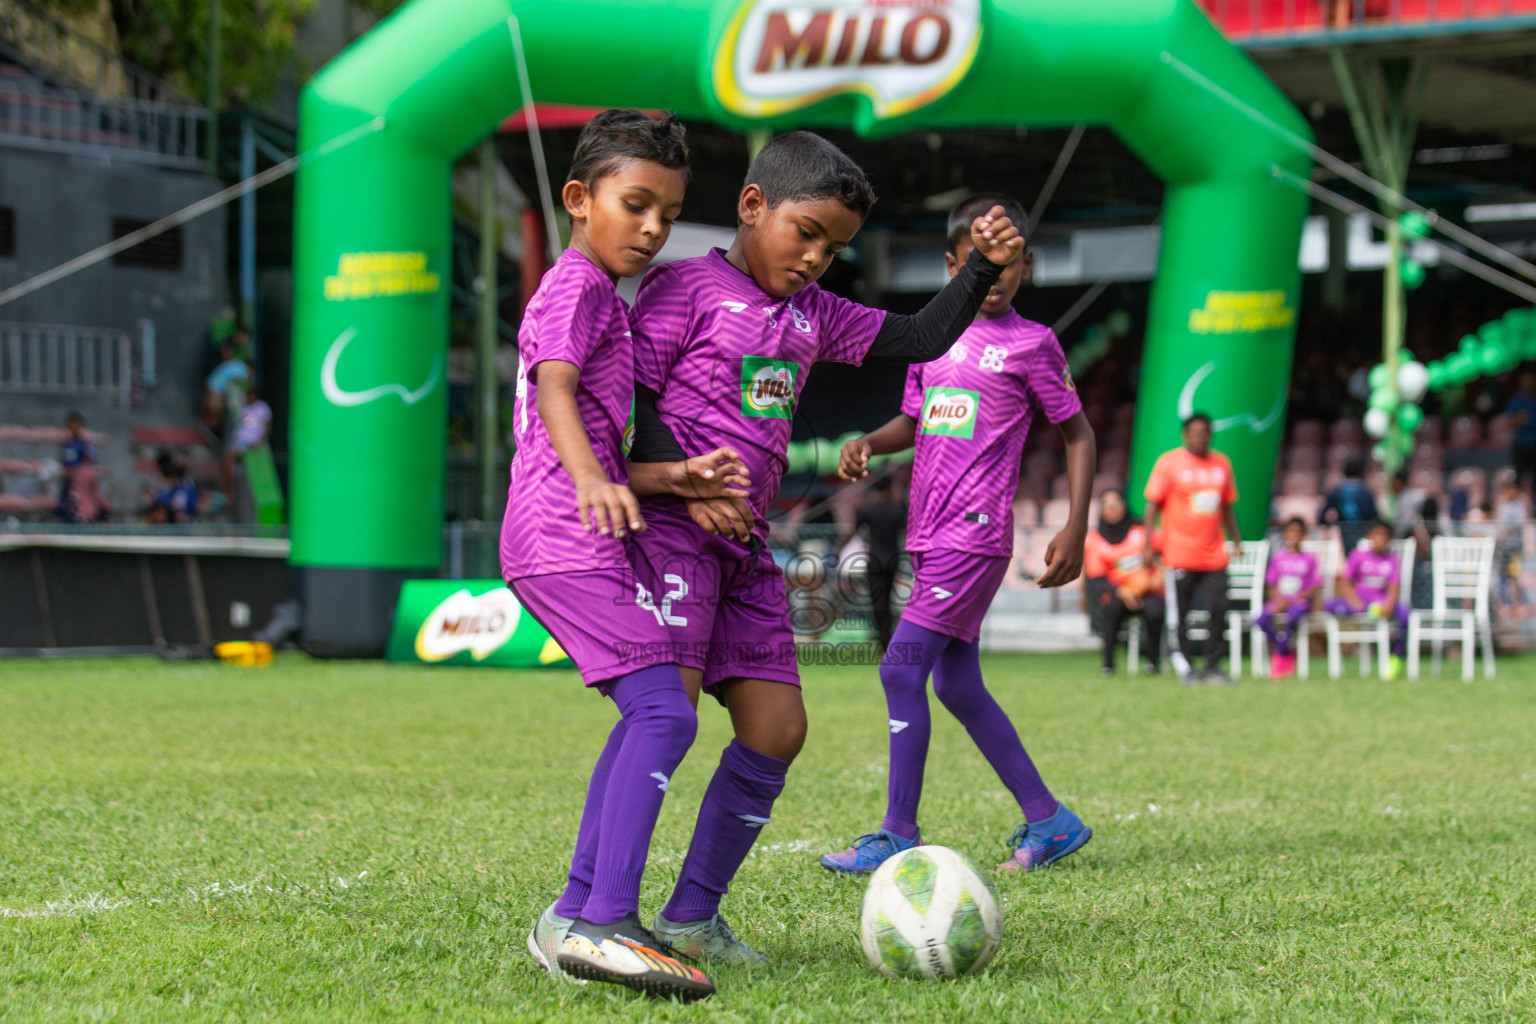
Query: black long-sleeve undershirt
[[929, 333], [902, 338], [654, 441]]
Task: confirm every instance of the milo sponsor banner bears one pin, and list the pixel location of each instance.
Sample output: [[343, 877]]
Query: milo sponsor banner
[[950, 412], [778, 56], [468, 622]]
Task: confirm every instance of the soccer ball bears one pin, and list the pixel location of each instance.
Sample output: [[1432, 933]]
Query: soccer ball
[[928, 913]]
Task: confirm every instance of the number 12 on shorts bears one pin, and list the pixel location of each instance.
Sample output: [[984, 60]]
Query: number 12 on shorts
[[664, 616]]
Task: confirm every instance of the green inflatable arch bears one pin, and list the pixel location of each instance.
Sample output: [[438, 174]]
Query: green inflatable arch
[[372, 237]]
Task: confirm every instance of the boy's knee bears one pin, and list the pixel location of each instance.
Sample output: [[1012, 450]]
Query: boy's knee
[[898, 676]]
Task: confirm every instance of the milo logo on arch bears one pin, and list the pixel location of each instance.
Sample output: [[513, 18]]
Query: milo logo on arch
[[768, 387], [950, 412]]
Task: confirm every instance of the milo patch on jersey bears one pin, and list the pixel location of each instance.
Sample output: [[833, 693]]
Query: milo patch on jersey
[[767, 388], [950, 412]]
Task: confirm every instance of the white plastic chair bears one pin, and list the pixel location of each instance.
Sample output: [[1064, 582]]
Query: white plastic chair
[[1245, 597], [1364, 631], [1462, 570]]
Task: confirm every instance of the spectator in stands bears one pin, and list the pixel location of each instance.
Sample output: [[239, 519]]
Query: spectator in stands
[[1407, 501], [882, 521], [177, 499], [232, 369], [1193, 489], [255, 424], [1521, 411], [80, 497], [1350, 505], [1115, 553]]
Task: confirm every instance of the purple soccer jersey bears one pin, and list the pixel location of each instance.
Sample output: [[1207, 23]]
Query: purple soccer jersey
[[576, 316], [973, 408], [1292, 573], [1372, 574], [730, 360]]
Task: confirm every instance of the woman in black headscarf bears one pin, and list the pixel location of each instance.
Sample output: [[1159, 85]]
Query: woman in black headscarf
[[1114, 553]]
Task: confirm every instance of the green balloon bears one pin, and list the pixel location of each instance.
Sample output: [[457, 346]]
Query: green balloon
[[1379, 376], [1412, 272], [1438, 375], [1409, 417], [1492, 356], [1405, 355], [1469, 343], [1406, 444], [1414, 224], [1384, 399]]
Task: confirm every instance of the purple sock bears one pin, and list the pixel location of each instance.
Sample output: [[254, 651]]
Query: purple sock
[[662, 726], [735, 809], [957, 683], [578, 885], [912, 653]]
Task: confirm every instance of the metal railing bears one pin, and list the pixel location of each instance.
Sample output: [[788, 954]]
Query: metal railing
[[72, 58], [1263, 21], [42, 359], [63, 120]]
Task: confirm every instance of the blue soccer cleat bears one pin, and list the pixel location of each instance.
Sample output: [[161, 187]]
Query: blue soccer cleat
[[1045, 842], [869, 852]]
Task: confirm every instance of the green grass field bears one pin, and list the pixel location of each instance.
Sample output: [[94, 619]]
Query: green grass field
[[354, 841]]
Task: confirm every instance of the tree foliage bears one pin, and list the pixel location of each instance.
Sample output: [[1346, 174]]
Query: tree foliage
[[170, 39]]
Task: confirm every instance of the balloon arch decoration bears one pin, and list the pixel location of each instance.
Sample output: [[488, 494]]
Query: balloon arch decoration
[[396, 109]]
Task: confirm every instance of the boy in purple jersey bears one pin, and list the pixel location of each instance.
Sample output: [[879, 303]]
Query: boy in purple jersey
[[967, 414], [1370, 584], [1293, 583], [727, 340], [569, 509]]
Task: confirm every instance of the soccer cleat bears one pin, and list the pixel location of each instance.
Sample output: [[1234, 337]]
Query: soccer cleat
[[626, 953], [1186, 672], [711, 939], [869, 852], [1394, 667], [545, 939], [1044, 842], [1106, 670], [1216, 677]]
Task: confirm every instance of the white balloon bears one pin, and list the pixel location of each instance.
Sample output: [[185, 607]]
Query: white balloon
[[1412, 381], [1377, 423]]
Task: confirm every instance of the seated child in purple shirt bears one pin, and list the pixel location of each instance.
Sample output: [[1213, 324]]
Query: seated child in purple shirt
[[1291, 585], [1370, 584]]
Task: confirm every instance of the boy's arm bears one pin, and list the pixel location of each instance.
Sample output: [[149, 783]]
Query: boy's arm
[[1229, 514], [1346, 589], [927, 334], [1154, 509], [1064, 555], [897, 435], [930, 332], [601, 503], [719, 474]]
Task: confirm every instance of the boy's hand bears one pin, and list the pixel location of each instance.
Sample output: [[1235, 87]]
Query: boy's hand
[[719, 474], [606, 507], [725, 517], [1063, 558], [997, 237], [853, 461]]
